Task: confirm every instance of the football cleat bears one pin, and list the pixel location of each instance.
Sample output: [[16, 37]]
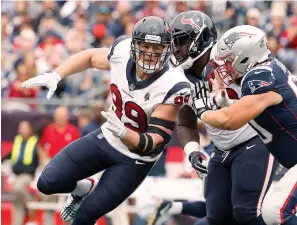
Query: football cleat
[[161, 214], [73, 203], [71, 206]]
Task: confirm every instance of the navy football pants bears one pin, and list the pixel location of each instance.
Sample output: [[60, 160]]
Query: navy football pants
[[237, 182], [86, 157]]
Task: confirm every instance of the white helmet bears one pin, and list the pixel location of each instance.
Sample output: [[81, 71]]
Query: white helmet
[[240, 49]]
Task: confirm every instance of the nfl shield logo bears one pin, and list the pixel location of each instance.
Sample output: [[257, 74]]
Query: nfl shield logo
[[131, 87]]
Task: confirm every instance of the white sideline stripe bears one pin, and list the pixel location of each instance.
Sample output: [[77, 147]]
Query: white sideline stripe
[[265, 185]]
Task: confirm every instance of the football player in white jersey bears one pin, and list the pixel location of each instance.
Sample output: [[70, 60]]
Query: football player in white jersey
[[239, 171], [147, 95]]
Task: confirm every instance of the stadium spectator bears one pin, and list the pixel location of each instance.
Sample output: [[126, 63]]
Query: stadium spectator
[[151, 8], [253, 17], [276, 26], [15, 89], [289, 36], [58, 134], [85, 123], [24, 157]]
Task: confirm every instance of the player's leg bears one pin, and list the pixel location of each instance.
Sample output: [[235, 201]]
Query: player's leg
[[218, 190], [117, 183], [280, 205], [167, 209], [202, 221], [195, 209], [78, 160], [252, 172]]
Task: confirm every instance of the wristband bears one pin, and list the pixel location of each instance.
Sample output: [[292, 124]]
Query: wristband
[[190, 147]]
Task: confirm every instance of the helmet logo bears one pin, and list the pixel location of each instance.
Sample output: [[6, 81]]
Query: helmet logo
[[194, 21], [233, 37]]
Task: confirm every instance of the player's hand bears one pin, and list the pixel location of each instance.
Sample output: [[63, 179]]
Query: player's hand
[[201, 98], [114, 124], [221, 95], [199, 162], [49, 80]]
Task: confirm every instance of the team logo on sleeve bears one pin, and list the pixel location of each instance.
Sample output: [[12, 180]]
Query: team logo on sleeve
[[256, 84]]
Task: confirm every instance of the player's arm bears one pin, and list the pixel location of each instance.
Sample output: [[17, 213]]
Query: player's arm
[[90, 58], [258, 89], [158, 132], [242, 111], [98, 58], [187, 130], [161, 124]]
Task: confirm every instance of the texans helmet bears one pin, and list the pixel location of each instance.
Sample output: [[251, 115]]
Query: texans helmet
[[193, 34], [153, 30]]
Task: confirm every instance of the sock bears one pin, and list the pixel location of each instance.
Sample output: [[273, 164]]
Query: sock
[[83, 187], [176, 208], [196, 209]]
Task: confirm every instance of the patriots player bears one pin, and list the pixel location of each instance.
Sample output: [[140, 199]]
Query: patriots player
[[269, 104], [240, 169], [146, 93]]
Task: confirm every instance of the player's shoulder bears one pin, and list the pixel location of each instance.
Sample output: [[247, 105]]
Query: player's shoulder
[[176, 87], [120, 48], [259, 79], [175, 76]]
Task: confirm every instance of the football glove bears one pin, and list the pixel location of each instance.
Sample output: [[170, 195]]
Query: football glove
[[201, 100], [114, 124], [49, 80], [199, 162]]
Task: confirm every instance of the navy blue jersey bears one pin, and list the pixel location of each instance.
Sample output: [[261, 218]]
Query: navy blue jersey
[[279, 122]]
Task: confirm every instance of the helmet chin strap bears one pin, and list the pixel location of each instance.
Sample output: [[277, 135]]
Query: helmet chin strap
[[190, 61]]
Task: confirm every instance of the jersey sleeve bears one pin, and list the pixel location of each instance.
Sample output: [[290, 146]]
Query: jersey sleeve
[[258, 81], [120, 48], [179, 94]]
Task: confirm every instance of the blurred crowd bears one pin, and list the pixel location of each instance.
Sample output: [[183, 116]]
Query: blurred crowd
[[39, 35]]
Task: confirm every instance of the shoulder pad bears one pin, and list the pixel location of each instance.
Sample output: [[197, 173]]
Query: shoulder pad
[[120, 48], [257, 81], [179, 94]]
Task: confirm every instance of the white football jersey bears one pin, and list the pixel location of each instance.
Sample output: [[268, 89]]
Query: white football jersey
[[226, 139], [134, 101]]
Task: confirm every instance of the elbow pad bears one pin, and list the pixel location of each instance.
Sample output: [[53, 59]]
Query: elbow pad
[[145, 146]]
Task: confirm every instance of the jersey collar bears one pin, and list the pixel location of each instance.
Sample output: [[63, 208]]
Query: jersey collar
[[131, 76], [191, 77]]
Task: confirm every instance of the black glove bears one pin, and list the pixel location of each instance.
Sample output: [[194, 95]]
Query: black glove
[[199, 162], [201, 100]]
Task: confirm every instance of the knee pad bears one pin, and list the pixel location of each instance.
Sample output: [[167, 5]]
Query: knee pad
[[271, 210], [46, 181], [51, 182]]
